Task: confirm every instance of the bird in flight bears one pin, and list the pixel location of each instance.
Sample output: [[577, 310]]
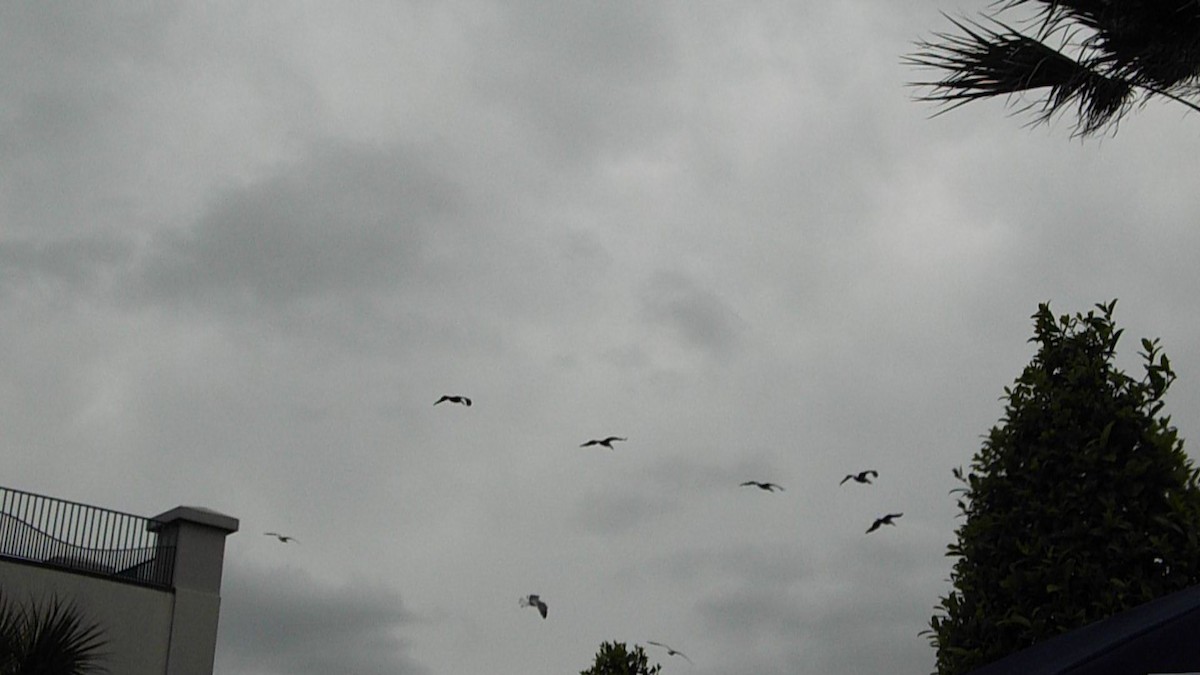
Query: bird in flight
[[670, 651], [861, 477], [535, 601], [454, 399], [606, 442], [885, 520], [283, 539], [769, 487]]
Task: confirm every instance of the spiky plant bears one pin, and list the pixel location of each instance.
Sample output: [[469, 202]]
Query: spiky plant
[[1100, 57], [50, 638]]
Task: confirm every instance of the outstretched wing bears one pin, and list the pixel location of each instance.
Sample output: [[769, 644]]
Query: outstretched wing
[[671, 651]]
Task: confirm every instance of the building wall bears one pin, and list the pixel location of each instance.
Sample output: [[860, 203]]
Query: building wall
[[150, 630], [136, 619]]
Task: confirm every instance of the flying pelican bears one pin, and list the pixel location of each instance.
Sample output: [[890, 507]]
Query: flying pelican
[[861, 477], [282, 538], [606, 442], [670, 651], [535, 601], [769, 487], [454, 399], [885, 520]]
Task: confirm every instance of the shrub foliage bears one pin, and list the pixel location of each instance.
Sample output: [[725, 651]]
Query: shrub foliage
[[1080, 504], [614, 658]]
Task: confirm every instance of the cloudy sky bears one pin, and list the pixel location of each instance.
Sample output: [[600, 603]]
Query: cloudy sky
[[244, 248]]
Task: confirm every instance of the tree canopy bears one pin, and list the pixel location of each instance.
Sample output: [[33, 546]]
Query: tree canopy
[[1098, 57], [1080, 504], [614, 658]]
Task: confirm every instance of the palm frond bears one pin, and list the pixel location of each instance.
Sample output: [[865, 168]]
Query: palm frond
[[1152, 43], [984, 62], [50, 637], [60, 642]]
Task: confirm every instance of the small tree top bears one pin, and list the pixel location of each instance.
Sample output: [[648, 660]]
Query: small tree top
[[1080, 504], [614, 658]]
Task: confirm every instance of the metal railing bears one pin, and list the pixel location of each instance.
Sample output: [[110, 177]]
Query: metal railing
[[83, 538]]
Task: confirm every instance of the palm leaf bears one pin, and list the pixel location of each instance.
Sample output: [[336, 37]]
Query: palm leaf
[[48, 639], [60, 642], [983, 62], [1152, 43]]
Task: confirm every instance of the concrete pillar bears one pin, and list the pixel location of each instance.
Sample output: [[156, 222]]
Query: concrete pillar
[[198, 536]]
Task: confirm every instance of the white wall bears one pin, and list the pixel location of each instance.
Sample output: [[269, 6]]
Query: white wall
[[136, 619]]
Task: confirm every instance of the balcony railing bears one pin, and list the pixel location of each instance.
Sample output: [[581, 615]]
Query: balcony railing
[[83, 538]]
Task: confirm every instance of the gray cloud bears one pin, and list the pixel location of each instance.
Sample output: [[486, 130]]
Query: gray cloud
[[613, 512], [697, 316], [580, 82], [61, 267], [346, 219], [285, 622], [70, 90]]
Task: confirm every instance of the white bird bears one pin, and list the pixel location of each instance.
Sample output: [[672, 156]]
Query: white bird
[[454, 399], [670, 651], [535, 601], [282, 538], [606, 442]]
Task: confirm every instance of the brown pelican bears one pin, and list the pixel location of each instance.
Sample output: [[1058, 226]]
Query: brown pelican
[[885, 520], [282, 538], [769, 487], [535, 601], [606, 442], [454, 399], [670, 651], [861, 477]]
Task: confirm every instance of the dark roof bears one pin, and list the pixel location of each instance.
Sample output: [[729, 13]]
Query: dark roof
[[1160, 636]]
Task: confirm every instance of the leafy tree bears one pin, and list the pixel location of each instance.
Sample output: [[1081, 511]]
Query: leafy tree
[[1099, 57], [47, 639], [614, 658], [1080, 504]]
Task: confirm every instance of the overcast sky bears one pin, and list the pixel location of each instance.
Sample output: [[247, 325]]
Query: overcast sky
[[243, 249]]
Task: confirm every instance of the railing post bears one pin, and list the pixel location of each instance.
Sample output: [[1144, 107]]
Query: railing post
[[197, 537]]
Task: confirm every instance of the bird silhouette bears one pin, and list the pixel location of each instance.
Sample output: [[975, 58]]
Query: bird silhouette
[[606, 442], [885, 520], [282, 538], [670, 651], [454, 399], [535, 601], [861, 477], [769, 487]]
